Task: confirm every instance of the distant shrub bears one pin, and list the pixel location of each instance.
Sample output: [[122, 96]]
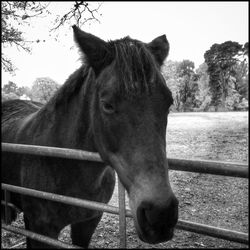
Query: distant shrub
[[243, 105], [9, 96], [205, 105]]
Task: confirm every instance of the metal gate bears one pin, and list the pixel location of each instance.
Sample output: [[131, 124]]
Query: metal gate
[[205, 167]]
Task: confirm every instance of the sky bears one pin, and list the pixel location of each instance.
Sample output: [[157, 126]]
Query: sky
[[191, 29]]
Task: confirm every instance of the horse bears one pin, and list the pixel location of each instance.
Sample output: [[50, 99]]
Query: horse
[[116, 104]]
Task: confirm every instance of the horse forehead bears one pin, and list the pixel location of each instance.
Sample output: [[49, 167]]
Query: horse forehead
[[110, 82], [113, 80]]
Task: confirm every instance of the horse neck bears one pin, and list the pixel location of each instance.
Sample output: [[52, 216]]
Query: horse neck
[[67, 114]]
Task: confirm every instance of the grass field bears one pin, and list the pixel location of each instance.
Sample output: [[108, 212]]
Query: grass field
[[207, 199]]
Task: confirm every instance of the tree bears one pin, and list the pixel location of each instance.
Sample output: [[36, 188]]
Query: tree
[[204, 95], [169, 71], [24, 91], [240, 79], [188, 86], [10, 96], [221, 59], [10, 87], [185, 68], [241, 73], [238, 83], [182, 81], [17, 14], [14, 14], [43, 89]]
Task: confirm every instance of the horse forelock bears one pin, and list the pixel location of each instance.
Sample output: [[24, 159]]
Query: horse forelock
[[134, 65]]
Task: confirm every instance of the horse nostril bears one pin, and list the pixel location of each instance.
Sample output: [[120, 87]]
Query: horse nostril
[[143, 212], [158, 216], [150, 213]]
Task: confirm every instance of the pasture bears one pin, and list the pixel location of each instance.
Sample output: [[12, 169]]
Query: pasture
[[208, 199]]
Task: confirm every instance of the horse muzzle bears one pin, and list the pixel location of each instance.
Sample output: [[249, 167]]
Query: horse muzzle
[[156, 223]]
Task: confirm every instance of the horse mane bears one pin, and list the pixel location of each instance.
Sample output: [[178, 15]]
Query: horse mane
[[70, 87]]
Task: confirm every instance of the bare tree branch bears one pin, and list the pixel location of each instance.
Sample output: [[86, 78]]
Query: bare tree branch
[[15, 13], [7, 64], [76, 12]]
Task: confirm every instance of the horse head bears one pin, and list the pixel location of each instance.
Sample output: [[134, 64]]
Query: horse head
[[130, 108]]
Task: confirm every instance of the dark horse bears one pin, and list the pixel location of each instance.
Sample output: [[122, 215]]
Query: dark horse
[[116, 104]]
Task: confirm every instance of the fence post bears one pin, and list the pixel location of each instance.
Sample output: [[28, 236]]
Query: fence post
[[122, 215]]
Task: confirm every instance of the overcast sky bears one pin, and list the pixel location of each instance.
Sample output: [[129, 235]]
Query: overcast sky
[[191, 28]]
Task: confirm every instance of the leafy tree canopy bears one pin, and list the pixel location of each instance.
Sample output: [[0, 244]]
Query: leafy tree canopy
[[185, 68], [12, 91], [43, 89], [221, 60]]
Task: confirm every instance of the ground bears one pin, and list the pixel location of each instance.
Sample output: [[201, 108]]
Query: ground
[[208, 199]]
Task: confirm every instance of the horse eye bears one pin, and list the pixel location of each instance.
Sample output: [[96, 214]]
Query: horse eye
[[108, 108]]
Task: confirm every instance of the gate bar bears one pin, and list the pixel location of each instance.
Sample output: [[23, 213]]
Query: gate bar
[[216, 232], [38, 237], [182, 224], [75, 154], [63, 199], [234, 169], [11, 205]]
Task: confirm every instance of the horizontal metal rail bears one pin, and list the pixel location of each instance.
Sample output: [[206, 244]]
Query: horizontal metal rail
[[63, 199], [39, 237], [234, 169], [182, 225], [74, 154], [216, 232]]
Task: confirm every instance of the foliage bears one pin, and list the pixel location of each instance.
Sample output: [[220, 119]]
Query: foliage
[[204, 95], [43, 89], [241, 77], [21, 91], [12, 91], [9, 96], [182, 81], [185, 68], [221, 59], [14, 14], [192, 90], [188, 86], [243, 105], [17, 14], [10, 87], [169, 71]]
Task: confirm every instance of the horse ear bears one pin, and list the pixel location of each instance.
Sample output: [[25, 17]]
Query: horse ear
[[94, 48], [159, 47]]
